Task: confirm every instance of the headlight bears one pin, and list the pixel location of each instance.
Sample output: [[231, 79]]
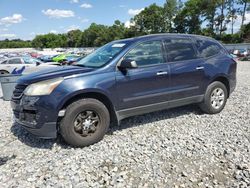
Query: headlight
[[42, 88]]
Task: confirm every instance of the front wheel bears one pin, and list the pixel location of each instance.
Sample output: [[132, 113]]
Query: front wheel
[[215, 98], [85, 123]]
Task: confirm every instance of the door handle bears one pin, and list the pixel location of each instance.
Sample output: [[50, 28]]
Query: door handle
[[162, 73], [200, 68]]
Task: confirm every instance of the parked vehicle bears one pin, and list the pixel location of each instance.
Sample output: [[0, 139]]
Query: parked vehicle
[[22, 65], [121, 79], [64, 57], [47, 58], [241, 52]]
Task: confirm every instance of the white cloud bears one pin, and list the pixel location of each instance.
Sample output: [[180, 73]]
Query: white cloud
[[14, 19], [53, 31], [74, 1], [128, 24], [7, 35], [84, 20], [133, 12], [122, 6], [56, 13], [86, 5], [72, 27]]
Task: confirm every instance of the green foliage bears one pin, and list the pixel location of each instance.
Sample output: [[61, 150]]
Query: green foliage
[[174, 16], [50, 41], [16, 43], [150, 20], [245, 32]]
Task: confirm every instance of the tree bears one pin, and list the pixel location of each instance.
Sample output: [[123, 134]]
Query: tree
[[220, 20], [245, 32], [170, 11], [188, 20], [246, 6], [150, 20], [209, 8], [73, 38], [232, 14]]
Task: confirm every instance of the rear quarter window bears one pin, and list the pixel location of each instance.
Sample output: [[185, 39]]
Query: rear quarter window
[[208, 48]]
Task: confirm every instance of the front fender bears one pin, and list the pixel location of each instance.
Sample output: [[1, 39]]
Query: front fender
[[103, 84]]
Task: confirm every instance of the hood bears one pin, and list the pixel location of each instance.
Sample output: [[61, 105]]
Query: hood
[[53, 72]]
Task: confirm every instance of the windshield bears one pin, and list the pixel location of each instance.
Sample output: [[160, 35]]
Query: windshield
[[102, 56]]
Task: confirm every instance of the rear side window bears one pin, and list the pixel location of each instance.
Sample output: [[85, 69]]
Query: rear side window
[[147, 53], [180, 49], [208, 48]]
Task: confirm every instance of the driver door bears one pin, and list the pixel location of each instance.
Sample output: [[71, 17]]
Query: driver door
[[147, 84]]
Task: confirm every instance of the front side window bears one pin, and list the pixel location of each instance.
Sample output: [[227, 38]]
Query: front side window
[[15, 61], [207, 48], [180, 49], [147, 53]]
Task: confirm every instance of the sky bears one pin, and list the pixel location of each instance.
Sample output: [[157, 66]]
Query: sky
[[26, 18]]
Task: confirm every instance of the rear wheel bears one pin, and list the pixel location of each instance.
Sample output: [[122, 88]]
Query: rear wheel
[[215, 98], [4, 72], [85, 123]]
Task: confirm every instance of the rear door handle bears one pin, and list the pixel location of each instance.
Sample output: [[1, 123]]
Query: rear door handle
[[200, 68], [162, 73]]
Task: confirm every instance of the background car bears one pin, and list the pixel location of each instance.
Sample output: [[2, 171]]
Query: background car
[[19, 65]]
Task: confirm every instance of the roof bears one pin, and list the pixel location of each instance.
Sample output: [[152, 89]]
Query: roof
[[152, 36]]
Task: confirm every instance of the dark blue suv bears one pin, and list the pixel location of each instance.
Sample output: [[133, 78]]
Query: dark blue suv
[[122, 79]]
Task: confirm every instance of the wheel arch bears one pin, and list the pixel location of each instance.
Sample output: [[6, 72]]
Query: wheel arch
[[94, 95], [223, 79]]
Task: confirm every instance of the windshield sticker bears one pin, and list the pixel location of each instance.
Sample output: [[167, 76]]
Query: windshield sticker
[[118, 45]]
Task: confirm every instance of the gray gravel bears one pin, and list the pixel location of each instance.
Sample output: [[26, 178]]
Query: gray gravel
[[174, 148]]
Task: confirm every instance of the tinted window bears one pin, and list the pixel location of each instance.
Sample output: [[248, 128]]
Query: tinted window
[[15, 61], [4, 62], [180, 49], [147, 53], [208, 48]]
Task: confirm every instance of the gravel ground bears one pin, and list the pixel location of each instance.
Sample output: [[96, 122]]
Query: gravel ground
[[173, 148]]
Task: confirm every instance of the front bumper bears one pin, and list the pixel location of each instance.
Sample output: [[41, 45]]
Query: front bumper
[[37, 115], [47, 131]]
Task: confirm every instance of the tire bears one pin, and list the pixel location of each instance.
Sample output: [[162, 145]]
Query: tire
[[4, 72], [78, 116], [213, 103]]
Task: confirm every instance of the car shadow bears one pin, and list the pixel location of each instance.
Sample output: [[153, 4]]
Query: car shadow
[[35, 142], [140, 120]]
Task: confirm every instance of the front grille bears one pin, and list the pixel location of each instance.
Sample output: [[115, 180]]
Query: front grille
[[18, 92]]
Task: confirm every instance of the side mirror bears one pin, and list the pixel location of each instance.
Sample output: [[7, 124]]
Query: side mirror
[[37, 63], [127, 64]]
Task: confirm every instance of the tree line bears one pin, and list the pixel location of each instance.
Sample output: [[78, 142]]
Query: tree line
[[204, 17]]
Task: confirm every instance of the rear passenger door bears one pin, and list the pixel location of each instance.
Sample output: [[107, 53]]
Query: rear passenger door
[[187, 69]]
